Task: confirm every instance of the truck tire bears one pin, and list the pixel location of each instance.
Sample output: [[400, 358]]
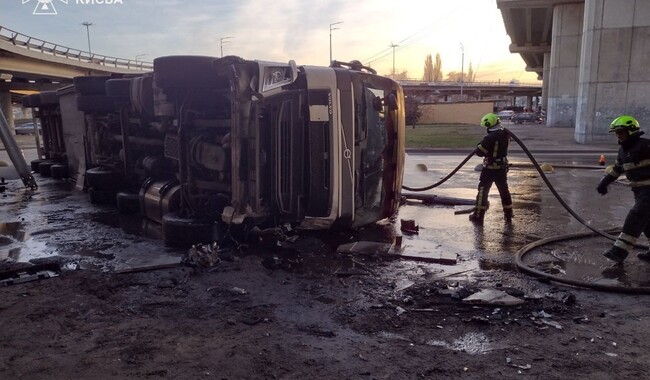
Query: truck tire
[[97, 104], [185, 71], [180, 231], [44, 168], [90, 85], [142, 95], [59, 171], [128, 203], [103, 179], [118, 88], [35, 165]]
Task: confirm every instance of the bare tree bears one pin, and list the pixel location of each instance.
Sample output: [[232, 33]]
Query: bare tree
[[399, 75], [437, 69], [454, 76], [471, 75], [428, 69]]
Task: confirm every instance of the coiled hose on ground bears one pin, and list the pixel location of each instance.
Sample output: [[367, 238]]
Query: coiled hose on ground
[[529, 247]]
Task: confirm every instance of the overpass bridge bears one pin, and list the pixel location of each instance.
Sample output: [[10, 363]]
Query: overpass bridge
[[474, 91], [32, 64], [591, 55]]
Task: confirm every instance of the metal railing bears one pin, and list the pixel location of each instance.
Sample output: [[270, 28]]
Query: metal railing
[[49, 48], [414, 82]]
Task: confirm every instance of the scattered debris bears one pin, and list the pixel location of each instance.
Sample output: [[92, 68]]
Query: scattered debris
[[394, 251], [493, 297], [34, 273], [205, 256], [408, 226], [238, 291], [430, 199], [403, 284], [551, 323], [458, 210]]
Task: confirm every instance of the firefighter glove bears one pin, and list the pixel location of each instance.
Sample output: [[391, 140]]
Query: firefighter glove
[[602, 186]]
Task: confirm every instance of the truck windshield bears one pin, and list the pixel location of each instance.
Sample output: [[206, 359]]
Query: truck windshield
[[370, 184]]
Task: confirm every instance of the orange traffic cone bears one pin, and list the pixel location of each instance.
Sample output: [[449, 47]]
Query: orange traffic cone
[[601, 160]]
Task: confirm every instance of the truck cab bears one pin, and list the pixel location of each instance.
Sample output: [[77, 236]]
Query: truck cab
[[204, 144]]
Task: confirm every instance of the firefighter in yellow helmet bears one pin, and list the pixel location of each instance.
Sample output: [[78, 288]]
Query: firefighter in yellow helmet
[[634, 160], [494, 150]]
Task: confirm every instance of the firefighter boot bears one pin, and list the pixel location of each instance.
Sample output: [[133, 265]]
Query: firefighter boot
[[476, 217], [507, 215], [616, 254], [645, 256]]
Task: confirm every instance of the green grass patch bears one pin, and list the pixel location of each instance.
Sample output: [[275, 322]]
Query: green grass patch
[[444, 136]]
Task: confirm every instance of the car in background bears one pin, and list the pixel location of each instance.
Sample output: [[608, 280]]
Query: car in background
[[526, 117], [27, 129], [506, 114]]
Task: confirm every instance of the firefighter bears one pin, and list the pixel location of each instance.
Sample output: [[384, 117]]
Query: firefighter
[[494, 150], [633, 160]]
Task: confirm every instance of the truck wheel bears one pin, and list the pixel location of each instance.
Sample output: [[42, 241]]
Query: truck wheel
[[95, 104], [59, 171], [35, 165], [90, 85], [118, 88], [44, 168], [180, 231], [185, 71], [103, 179], [142, 95], [128, 203]]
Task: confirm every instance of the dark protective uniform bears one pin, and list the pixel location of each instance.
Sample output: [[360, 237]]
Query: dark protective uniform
[[633, 160], [494, 150]]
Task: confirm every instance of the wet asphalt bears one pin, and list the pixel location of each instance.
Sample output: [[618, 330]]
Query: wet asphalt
[[57, 220]]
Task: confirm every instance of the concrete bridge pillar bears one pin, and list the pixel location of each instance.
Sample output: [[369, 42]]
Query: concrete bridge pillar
[[7, 110], [546, 74], [614, 75], [564, 65]]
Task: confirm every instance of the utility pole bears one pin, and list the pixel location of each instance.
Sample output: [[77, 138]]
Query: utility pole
[[221, 41], [393, 46], [87, 25], [462, 69], [331, 25]]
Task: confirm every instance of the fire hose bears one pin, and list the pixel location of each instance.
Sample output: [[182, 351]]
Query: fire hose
[[529, 247]]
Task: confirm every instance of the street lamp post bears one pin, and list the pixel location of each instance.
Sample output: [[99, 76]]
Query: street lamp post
[[462, 69], [221, 42], [393, 46], [331, 25], [87, 25]]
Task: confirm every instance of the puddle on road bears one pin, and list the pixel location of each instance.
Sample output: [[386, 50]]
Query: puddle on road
[[580, 259]]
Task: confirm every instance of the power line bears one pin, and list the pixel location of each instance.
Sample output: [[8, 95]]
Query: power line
[[409, 40]]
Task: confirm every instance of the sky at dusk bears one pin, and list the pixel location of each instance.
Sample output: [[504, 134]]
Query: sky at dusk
[[284, 30]]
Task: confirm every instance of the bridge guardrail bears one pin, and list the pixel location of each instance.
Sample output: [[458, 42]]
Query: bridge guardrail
[[415, 82], [31, 43]]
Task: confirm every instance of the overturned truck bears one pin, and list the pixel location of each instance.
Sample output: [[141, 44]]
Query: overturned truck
[[204, 144]]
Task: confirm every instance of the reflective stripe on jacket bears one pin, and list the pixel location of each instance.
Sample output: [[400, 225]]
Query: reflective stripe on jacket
[[494, 148], [633, 160]]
